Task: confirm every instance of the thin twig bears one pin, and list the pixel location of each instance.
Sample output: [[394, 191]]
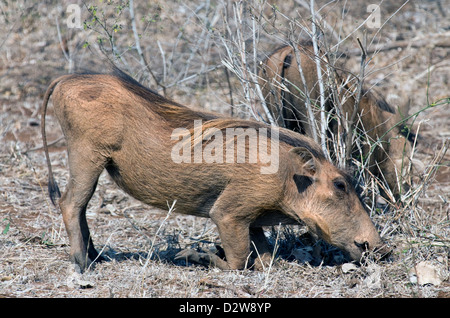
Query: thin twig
[[227, 76], [311, 117], [317, 59], [67, 56], [48, 145], [139, 49], [359, 89]]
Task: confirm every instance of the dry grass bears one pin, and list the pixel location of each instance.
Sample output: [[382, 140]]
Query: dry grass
[[33, 242]]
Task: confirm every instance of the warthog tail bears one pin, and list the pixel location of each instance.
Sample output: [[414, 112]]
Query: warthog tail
[[53, 189]]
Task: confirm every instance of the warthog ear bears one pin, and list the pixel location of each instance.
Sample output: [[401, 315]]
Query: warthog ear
[[302, 182], [307, 160]]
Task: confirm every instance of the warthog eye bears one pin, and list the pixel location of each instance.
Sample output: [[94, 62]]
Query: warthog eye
[[340, 185]]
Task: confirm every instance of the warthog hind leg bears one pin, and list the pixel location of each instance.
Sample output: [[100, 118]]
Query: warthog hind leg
[[84, 173]]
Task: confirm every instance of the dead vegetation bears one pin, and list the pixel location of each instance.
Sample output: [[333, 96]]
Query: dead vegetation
[[189, 52]]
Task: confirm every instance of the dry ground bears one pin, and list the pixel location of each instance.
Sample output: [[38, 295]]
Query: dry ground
[[33, 242]]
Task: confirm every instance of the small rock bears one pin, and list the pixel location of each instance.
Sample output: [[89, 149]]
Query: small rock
[[348, 267], [381, 202], [373, 280], [112, 209], [427, 272]]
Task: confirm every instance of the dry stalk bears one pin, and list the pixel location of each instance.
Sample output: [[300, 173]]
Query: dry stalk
[[272, 259], [68, 55], [350, 123], [139, 49], [311, 117], [318, 59]]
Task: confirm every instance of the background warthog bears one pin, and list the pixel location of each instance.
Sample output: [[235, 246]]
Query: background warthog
[[112, 122], [386, 139]]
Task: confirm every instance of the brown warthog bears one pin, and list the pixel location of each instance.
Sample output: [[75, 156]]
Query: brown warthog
[[281, 84], [112, 122]]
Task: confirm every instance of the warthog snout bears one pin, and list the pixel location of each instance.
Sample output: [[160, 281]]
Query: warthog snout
[[363, 245]]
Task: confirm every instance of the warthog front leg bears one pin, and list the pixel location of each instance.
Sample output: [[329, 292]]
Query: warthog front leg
[[235, 239], [233, 225]]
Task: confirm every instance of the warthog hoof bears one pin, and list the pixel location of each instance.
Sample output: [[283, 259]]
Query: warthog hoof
[[85, 262], [207, 259]]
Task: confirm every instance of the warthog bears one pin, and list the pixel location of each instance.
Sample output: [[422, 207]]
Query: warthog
[[112, 122], [387, 134]]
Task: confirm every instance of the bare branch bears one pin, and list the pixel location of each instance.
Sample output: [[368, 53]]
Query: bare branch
[[317, 59], [139, 49]]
